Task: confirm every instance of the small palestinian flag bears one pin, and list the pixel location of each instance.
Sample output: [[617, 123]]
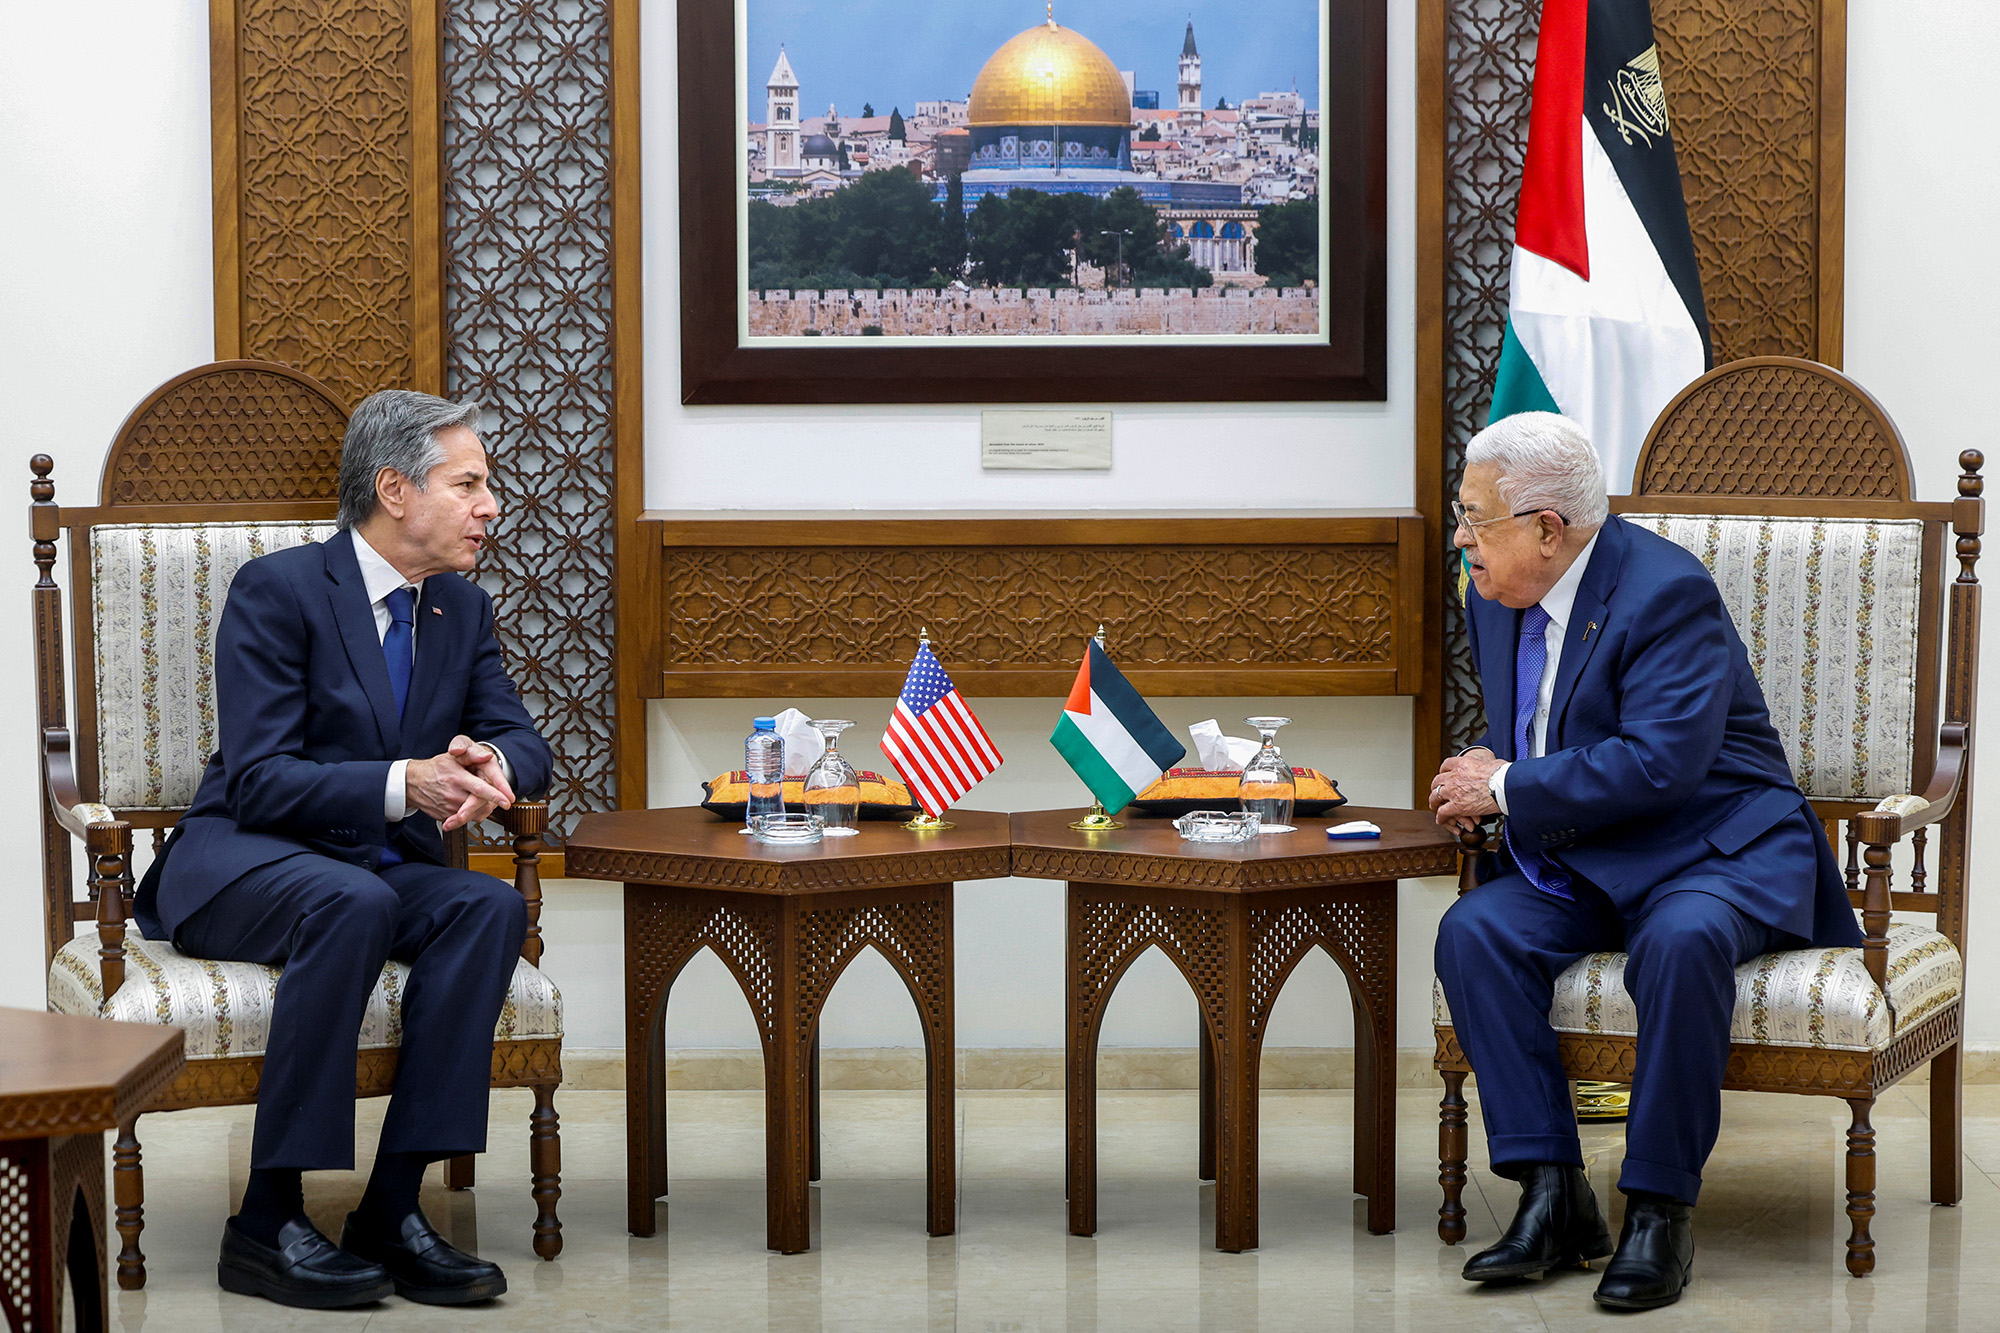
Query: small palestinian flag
[[1110, 737], [1605, 320]]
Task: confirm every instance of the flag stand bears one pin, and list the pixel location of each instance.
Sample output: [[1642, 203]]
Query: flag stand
[[1099, 820], [927, 824]]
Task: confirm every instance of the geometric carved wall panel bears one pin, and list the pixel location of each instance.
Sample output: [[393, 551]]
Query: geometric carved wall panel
[[324, 224], [1756, 91], [527, 229], [831, 609]]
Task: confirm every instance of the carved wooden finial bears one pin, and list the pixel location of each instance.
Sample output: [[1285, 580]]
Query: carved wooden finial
[[1969, 515], [1971, 483], [41, 488]]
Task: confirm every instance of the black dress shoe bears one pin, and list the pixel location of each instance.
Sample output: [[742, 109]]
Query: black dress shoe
[[1655, 1256], [305, 1269], [1558, 1225], [424, 1265]]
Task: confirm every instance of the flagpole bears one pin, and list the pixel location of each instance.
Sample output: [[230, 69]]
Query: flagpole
[[1099, 819], [921, 822]]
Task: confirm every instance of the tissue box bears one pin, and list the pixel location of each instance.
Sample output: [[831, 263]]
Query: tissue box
[[729, 795], [1183, 790]]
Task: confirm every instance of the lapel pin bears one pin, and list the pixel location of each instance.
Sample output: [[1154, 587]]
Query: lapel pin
[[437, 610], [1588, 630]]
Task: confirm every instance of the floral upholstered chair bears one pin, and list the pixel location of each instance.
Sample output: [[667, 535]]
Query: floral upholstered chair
[[1794, 488], [150, 571]]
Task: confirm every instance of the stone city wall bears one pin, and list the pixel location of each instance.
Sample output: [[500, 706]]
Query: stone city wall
[[987, 312]]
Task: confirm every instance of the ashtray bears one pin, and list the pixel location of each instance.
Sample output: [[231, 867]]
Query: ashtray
[[1217, 826], [787, 830]]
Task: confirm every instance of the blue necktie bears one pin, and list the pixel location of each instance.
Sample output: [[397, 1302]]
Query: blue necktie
[[399, 644], [1531, 658], [398, 653]]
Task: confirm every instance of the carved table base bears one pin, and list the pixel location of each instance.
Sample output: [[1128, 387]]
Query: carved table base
[[1237, 951], [786, 952], [52, 1229]]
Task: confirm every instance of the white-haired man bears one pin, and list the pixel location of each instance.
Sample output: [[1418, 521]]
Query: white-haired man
[[1648, 808]]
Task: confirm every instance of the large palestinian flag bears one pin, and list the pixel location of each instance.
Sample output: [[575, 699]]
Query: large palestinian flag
[[1605, 321]]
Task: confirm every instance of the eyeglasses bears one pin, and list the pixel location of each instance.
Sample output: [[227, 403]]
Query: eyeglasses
[[1474, 525]]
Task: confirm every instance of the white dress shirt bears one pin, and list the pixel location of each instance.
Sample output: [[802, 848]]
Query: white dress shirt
[[381, 578], [1559, 601]]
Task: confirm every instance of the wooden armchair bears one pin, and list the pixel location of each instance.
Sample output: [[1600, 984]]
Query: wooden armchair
[[217, 466], [1794, 488]]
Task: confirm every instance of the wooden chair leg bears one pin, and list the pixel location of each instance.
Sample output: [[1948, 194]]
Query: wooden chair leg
[[1947, 1126], [545, 1166], [1860, 1188], [128, 1189], [1451, 1158], [458, 1172]]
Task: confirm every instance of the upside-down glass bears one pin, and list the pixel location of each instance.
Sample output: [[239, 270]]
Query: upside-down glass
[[1268, 785], [833, 788]]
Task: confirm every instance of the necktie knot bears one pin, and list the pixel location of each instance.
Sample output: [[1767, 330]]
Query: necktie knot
[[402, 605]]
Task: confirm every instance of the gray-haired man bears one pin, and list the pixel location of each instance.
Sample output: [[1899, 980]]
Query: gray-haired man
[[363, 703]]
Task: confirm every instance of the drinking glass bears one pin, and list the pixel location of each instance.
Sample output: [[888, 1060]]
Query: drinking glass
[[833, 788], [1268, 785]]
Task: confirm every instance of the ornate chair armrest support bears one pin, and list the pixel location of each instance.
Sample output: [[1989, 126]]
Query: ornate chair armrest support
[[108, 842], [1880, 829], [525, 822]]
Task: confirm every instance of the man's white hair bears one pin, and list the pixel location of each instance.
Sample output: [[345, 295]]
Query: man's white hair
[[1545, 462]]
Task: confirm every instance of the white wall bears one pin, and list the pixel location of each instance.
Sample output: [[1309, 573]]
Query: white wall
[[104, 292]]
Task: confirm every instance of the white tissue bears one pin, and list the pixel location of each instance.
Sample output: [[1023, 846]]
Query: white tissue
[[1219, 753], [803, 745]]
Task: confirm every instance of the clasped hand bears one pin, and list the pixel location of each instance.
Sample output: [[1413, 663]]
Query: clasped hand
[[1461, 792], [459, 787]]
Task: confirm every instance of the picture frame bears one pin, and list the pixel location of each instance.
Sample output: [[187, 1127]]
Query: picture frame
[[1346, 362]]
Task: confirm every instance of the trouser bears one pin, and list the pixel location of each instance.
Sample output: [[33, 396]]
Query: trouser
[[1499, 951], [331, 926]]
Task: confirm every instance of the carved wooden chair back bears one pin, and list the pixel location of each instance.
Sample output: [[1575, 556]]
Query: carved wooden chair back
[[1795, 488], [217, 466]]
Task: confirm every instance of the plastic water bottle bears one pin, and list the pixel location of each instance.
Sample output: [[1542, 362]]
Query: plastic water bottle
[[764, 761]]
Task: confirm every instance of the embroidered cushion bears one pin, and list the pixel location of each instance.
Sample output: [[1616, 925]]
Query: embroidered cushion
[[1828, 610], [1802, 997], [157, 596], [226, 1007]]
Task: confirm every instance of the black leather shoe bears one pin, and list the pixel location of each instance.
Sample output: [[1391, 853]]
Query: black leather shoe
[[1558, 1225], [424, 1265], [306, 1269], [1655, 1256]]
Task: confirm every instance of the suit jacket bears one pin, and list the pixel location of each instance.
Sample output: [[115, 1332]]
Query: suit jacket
[[1662, 763], [309, 725]]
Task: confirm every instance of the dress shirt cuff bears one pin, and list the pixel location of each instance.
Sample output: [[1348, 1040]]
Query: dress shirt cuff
[[396, 795], [1497, 784], [500, 757]]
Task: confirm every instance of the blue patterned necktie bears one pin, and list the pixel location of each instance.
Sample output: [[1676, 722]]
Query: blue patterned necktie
[[399, 644], [1531, 658]]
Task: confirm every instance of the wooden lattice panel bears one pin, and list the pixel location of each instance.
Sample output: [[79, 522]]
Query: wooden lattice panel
[[17, 1204], [526, 182]]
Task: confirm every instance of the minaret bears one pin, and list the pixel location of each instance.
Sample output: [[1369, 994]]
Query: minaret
[[781, 117], [1190, 118]]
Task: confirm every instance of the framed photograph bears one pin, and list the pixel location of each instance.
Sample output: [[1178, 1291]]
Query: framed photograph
[[1084, 201]]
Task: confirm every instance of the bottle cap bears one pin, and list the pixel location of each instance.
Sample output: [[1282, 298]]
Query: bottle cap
[[764, 723]]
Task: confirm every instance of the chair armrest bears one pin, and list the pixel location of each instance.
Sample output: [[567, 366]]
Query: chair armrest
[[1885, 828], [525, 822], [75, 814]]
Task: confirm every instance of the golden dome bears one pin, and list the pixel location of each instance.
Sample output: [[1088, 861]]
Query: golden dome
[[1050, 75]]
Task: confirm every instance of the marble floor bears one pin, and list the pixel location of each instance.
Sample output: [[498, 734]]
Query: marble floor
[[1769, 1233]]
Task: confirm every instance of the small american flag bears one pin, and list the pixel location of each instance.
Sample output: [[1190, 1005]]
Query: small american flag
[[934, 740]]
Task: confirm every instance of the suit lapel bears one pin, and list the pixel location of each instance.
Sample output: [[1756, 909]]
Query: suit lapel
[[356, 618], [431, 622], [1587, 617]]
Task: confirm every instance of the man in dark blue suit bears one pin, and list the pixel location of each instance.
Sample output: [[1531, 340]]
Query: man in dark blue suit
[[1648, 808], [364, 709]]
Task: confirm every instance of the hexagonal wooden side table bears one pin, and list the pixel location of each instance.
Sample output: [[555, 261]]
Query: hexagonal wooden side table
[[64, 1081], [786, 921], [1236, 920]]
